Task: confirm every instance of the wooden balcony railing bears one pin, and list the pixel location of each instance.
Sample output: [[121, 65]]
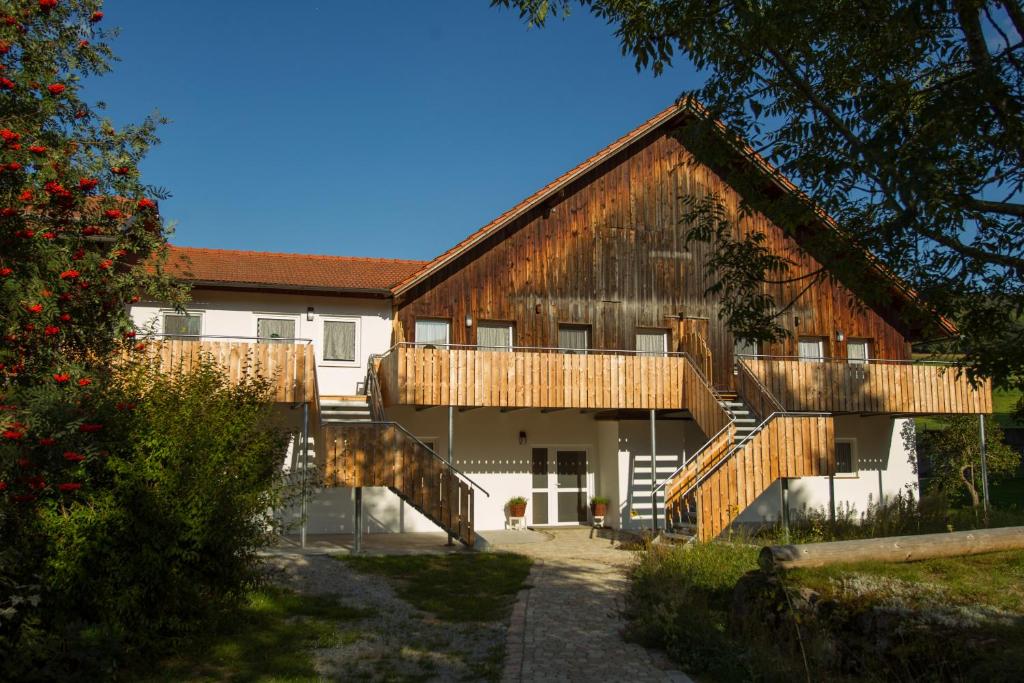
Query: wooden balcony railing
[[290, 365], [875, 386], [531, 378]]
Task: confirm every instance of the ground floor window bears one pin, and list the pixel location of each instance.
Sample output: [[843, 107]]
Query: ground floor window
[[846, 457]]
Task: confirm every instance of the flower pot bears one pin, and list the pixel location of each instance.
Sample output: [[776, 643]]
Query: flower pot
[[599, 509], [517, 509]]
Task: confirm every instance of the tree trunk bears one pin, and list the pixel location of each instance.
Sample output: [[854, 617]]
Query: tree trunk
[[975, 501]]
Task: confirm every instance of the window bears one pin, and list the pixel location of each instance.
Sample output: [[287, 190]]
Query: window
[[846, 457], [340, 340], [574, 337], [182, 325], [275, 330], [812, 349], [857, 351], [651, 342], [492, 336], [432, 332], [744, 347]]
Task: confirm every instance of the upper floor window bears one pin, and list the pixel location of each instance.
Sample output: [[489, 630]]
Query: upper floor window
[[846, 456], [494, 336], [858, 351], [182, 325], [340, 340], [745, 347], [651, 342], [275, 330], [812, 349], [433, 332], [574, 337]]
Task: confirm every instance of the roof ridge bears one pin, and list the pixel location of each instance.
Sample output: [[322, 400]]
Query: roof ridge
[[326, 257]]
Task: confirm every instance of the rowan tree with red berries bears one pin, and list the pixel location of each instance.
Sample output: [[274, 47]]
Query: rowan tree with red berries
[[77, 226]]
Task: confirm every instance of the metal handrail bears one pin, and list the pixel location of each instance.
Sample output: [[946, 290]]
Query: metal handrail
[[200, 337], [687, 463], [552, 349], [849, 361], [428, 449], [760, 385]]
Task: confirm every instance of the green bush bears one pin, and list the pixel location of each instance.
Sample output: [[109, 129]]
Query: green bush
[[679, 600], [165, 532]]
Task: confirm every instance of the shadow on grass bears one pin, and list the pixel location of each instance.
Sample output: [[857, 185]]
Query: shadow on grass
[[268, 638], [465, 587]]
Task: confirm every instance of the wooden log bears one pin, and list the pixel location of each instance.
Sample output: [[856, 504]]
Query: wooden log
[[892, 549]]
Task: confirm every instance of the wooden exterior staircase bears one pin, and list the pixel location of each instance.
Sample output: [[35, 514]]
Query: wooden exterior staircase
[[365, 449], [756, 442]]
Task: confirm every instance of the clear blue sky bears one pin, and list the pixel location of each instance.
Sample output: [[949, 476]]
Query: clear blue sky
[[390, 128]]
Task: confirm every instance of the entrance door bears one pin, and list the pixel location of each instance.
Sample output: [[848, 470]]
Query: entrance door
[[560, 486]]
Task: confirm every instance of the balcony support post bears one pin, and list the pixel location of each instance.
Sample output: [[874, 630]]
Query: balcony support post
[[654, 473], [984, 466], [784, 504], [832, 498], [305, 466], [451, 459], [358, 517]]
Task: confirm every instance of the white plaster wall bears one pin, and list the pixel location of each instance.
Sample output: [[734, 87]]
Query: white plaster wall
[[884, 469], [674, 438], [235, 313]]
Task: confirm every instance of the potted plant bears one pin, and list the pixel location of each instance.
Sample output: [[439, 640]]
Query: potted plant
[[516, 506], [599, 506]]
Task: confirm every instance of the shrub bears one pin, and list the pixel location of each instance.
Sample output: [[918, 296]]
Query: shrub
[[168, 529]]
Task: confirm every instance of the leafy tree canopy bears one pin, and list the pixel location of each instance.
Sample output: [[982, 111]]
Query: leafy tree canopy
[[902, 120]]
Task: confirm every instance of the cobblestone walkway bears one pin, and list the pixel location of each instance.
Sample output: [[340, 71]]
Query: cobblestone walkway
[[567, 627]]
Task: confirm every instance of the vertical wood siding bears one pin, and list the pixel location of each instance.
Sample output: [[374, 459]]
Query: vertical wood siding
[[610, 254]]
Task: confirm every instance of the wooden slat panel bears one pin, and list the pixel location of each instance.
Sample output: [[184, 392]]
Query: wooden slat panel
[[878, 387]]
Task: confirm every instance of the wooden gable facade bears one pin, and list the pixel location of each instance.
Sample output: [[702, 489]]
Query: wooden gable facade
[[607, 251]]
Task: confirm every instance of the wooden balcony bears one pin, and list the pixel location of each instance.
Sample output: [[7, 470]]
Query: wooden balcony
[[290, 366], [877, 386], [534, 378]]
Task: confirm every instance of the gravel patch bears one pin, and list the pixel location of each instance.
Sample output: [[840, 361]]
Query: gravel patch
[[399, 642]]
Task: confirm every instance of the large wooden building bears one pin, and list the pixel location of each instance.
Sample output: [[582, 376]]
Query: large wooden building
[[569, 349]]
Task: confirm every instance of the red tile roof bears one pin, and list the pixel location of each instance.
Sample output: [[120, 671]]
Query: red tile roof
[[287, 271]]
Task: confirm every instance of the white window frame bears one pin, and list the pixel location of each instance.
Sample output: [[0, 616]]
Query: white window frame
[[581, 326], [820, 358], [256, 315], [867, 351], [661, 331], [854, 472], [322, 329], [188, 312], [496, 323], [447, 336], [552, 475]]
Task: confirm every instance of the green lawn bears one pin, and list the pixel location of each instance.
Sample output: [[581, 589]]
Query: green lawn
[[268, 639], [456, 587]]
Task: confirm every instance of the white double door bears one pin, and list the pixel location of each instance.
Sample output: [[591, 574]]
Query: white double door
[[561, 485]]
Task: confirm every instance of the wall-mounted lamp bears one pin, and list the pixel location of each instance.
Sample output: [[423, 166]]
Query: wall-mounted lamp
[[522, 438], [469, 321], [309, 314], [840, 336]]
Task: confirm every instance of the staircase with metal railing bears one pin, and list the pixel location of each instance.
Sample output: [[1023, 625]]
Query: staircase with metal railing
[[364, 448], [760, 444]]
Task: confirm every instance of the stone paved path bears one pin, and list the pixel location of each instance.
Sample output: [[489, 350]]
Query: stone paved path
[[567, 627]]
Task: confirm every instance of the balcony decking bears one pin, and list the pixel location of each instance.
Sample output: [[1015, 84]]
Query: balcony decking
[[290, 366], [532, 378], [877, 386]]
